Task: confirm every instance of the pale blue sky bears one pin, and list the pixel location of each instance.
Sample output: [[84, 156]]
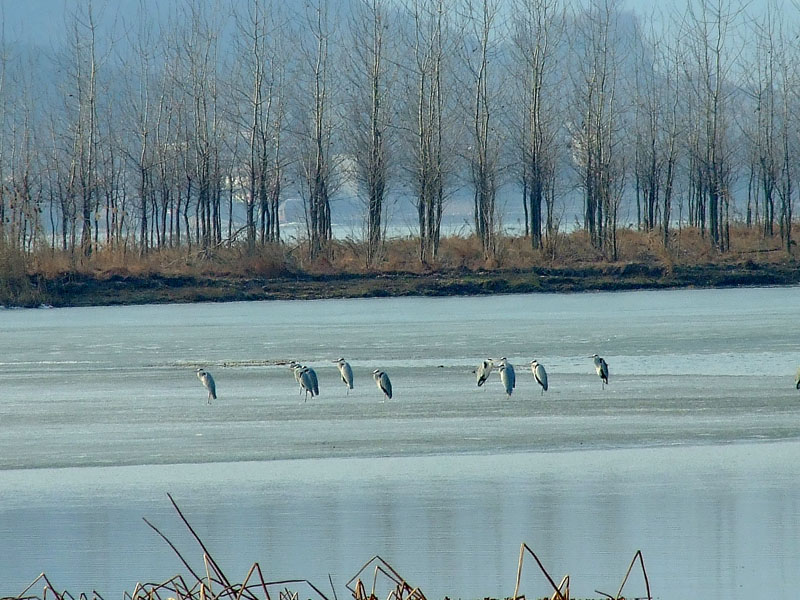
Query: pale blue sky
[[42, 19], [42, 22]]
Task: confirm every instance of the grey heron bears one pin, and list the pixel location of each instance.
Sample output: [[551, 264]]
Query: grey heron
[[383, 383], [484, 370], [507, 375], [306, 382], [296, 368], [208, 382], [601, 367], [346, 372], [312, 383], [539, 374]]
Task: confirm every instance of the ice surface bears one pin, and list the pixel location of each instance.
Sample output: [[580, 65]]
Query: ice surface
[[102, 415]]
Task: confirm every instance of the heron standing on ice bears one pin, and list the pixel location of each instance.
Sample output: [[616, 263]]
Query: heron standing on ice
[[303, 376], [539, 374], [484, 370], [306, 377], [383, 383], [601, 367], [296, 367], [346, 372], [312, 383], [507, 375], [208, 382]]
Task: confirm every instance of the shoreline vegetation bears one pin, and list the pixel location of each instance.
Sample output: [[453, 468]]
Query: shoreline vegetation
[[567, 263], [380, 577]]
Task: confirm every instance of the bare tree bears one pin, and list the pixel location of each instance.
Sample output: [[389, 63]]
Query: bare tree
[[709, 31], [430, 45], [84, 122], [274, 158], [763, 129], [169, 147], [767, 126], [480, 50], [672, 131], [259, 26], [316, 125], [656, 128], [537, 29], [787, 92], [597, 141], [19, 221], [109, 215], [199, 77], [369, 119], [22, 184], [139, 115], [4, 103], [157, 106]]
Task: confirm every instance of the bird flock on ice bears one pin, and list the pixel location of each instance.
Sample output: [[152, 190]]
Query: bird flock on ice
[[307, 379]]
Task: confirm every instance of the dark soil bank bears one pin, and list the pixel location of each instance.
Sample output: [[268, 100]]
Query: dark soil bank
[[84, 290]]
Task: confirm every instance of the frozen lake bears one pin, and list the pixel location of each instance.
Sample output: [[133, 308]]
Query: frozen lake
[[691, 454]]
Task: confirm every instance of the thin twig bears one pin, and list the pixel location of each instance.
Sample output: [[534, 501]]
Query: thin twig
[[199, 541], [333, 589], [171, 545]]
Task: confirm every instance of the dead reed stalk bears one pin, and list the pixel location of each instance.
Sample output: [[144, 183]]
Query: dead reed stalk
[[215, 585]]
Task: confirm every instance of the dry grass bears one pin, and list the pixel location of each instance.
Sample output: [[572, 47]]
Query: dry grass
[[269, 261], [687, 247]]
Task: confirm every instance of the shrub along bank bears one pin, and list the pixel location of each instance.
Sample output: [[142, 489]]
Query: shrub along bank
[[567, 263]]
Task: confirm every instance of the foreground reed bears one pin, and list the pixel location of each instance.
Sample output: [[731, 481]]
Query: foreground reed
[[382, 581]]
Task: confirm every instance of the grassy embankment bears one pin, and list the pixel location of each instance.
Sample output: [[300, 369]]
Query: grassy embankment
[[282, 272]]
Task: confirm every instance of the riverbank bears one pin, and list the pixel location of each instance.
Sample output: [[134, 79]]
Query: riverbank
[[282, 272], [77, 289]]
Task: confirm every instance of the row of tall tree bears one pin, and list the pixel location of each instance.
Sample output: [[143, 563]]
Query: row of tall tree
[[188, 127]]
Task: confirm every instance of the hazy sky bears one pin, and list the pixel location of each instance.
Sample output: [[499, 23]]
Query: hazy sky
[[42, 21]]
